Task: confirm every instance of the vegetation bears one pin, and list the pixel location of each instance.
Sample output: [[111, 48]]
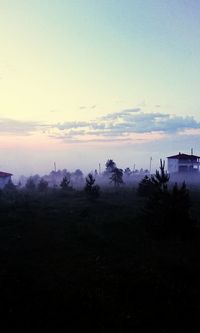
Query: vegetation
[[124, 262], [43, 185], [110, 166], [92, 191], [30, 184], [117, 177], [167, 211], [65, 183]]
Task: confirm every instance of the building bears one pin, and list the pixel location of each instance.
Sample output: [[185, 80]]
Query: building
[[4, 178], [183, 163]]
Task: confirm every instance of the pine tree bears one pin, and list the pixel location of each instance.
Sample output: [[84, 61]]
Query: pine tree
[[92, 191], [42, 185], [167, 212], [65, 183], [117, 177]]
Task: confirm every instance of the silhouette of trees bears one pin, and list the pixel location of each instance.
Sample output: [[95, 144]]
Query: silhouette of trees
[[167, 211], [117, 177], [145, 187], [110, 166], [65, 183], [161, 178], [92, 191], [42, 185], [30, 184], [10, 186], [155, 183], [127, 172], [77, 177]]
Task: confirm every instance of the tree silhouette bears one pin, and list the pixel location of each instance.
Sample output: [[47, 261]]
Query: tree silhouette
[[110, 166], [145, 187], [167, 211], [92, 191], [127, 172], [77, 177], [155, 183], [117, 177], [10, 186], [161, 178], [65, 183], [30, 184], [42, 185]]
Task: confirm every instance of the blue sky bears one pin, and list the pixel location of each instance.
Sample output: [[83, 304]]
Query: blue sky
[[116, 79]]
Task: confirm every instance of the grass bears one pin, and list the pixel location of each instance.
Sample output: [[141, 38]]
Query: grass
[[67, 262]]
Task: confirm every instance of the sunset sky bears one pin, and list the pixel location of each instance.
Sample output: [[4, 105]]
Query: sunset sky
[[86, 80]]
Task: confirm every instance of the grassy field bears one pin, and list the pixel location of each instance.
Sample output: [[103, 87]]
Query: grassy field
[[67, 262]]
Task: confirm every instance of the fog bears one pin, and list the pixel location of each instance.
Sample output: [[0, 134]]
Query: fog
[[103, 177]]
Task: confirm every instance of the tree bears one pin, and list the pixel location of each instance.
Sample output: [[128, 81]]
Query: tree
[[65, 183], [117, 177], [10, 192], [77, 177], [10, 186], [145, 187], [167, 211], [127, 172], [30, 184], [161, 177], [110, 166], [92, 191], [42, 185], [155, 183]]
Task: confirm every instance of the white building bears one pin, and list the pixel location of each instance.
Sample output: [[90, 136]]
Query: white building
[[183, 163], [4, 178]]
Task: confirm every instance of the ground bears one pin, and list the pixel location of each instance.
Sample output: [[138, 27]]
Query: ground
[[68, 262]]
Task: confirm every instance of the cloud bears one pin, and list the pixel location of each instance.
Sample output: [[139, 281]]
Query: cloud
[[71, 125], [17, 127], [127, 125], [83, 107], [124, 124], [122, 114]]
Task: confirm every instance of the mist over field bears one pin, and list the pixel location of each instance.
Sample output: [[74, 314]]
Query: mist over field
[[100, 250]]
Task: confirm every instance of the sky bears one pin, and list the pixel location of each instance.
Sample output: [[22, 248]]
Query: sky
[[84, 81]]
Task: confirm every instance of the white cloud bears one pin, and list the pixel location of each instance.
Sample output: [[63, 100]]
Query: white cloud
[[121, 125], [125, 125]]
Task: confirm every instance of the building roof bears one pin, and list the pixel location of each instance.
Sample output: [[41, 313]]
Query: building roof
[[5, 174], [184, 157]]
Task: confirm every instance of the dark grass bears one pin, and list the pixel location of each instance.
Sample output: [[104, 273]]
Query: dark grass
[[69, 263]]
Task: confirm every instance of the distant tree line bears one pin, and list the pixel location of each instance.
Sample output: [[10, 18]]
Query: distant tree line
[[167, 206], [112, 175]]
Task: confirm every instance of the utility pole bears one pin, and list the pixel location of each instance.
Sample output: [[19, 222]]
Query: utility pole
[[99, 168], [55, 166], [150, 165]]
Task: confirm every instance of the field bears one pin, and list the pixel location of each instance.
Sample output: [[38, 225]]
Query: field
[[67, 262]]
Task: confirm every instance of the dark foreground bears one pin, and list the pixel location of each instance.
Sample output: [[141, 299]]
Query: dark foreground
[[68, 263]]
